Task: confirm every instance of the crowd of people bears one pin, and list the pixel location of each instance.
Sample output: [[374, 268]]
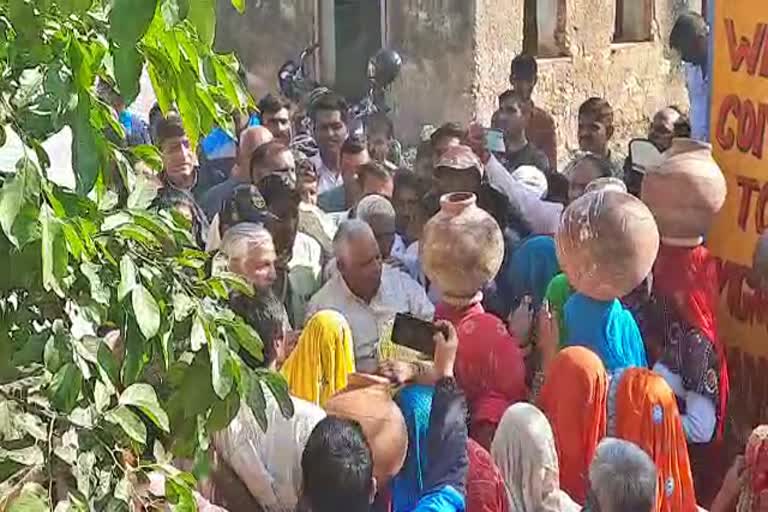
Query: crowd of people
[[539, 398]]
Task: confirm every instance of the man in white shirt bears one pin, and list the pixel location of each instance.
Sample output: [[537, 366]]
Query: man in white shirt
[[690, 37], [329, 114], [368, 293]]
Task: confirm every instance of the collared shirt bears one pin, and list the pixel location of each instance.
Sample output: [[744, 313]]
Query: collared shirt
[[698, 95], [370, 323], [327, 179], [304, 272]]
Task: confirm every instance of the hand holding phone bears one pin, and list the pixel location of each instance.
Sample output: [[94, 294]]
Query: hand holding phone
[[414, 333], [446, 342]]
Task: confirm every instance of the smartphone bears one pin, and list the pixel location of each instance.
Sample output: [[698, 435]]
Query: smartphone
[[414, 333], [494, 141]]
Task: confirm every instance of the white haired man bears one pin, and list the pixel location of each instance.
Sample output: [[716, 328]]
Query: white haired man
[[251, 254], [366, 292], [622, 478]]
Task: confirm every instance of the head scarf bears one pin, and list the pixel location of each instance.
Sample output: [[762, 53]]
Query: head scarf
[[532, 266], [755, 490], [489, 367], [415, 402], [647, 415], [532, 179], [558, 293], [524, 450], [690, 274], [607, 328], [485, 485], [269, 463], [323, 358], [574, 399]]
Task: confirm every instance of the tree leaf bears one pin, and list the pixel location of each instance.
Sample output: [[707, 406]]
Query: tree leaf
[[129, 422], [239, 5], [99, 292], [143, 193], [32, 425], [127, 277], [65, 387], [29, 456], [223, 412], [202, 15], [143, 396], [221, 369], [130, 19], [85, 149], [279, 388], [128, 65], [146, 310], [32, 498], [54, 251], [74, 6], [198, 337], [174, 11], [254, 397], [16, 191]]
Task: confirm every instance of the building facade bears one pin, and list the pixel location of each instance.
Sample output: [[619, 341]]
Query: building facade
[[457, 53]]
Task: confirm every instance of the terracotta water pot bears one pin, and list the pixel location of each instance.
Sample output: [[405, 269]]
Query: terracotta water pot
[[607, 242], [685, 191], [461, 249], [382, 423]]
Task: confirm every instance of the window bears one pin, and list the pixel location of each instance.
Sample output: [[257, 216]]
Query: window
[[633, 20], [544, 28]]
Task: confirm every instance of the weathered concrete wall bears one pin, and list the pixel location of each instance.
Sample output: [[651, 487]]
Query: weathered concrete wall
[[268, 34], [457, 55], [637, 78], [436, 40]]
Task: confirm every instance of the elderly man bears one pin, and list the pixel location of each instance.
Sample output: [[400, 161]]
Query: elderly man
[[251, 254], [622, 478], [250, 140], [368, 293]]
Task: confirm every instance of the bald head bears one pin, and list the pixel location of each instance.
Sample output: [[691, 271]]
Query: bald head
[[668, 123], [250, 139]]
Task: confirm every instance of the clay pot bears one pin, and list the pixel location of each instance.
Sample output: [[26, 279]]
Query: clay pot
[[607, 242], [685, 191], [382, 422], [461, 249]]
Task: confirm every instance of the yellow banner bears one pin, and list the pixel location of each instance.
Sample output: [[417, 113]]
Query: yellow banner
[[738, 133]]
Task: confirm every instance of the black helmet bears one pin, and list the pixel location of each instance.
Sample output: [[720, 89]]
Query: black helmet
[[384, 67]]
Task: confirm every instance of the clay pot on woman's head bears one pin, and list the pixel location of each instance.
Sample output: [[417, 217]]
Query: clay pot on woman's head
[[685, 192], [461, 249], [607, 242], [382, 423]]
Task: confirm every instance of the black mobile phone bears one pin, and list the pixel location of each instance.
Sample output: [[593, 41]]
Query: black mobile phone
[[414, 333]]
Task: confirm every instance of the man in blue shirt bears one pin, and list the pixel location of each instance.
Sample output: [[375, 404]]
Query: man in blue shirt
[[690, 37]]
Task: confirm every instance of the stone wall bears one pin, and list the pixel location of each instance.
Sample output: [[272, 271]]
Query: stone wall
[[457, 55], [637, 78], [436, 39], [268, 34]]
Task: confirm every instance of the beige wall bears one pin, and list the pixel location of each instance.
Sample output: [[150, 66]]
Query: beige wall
[[457, 55], [436, 39]]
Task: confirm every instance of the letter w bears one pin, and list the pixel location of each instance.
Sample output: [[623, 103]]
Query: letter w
[[744, 49]]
